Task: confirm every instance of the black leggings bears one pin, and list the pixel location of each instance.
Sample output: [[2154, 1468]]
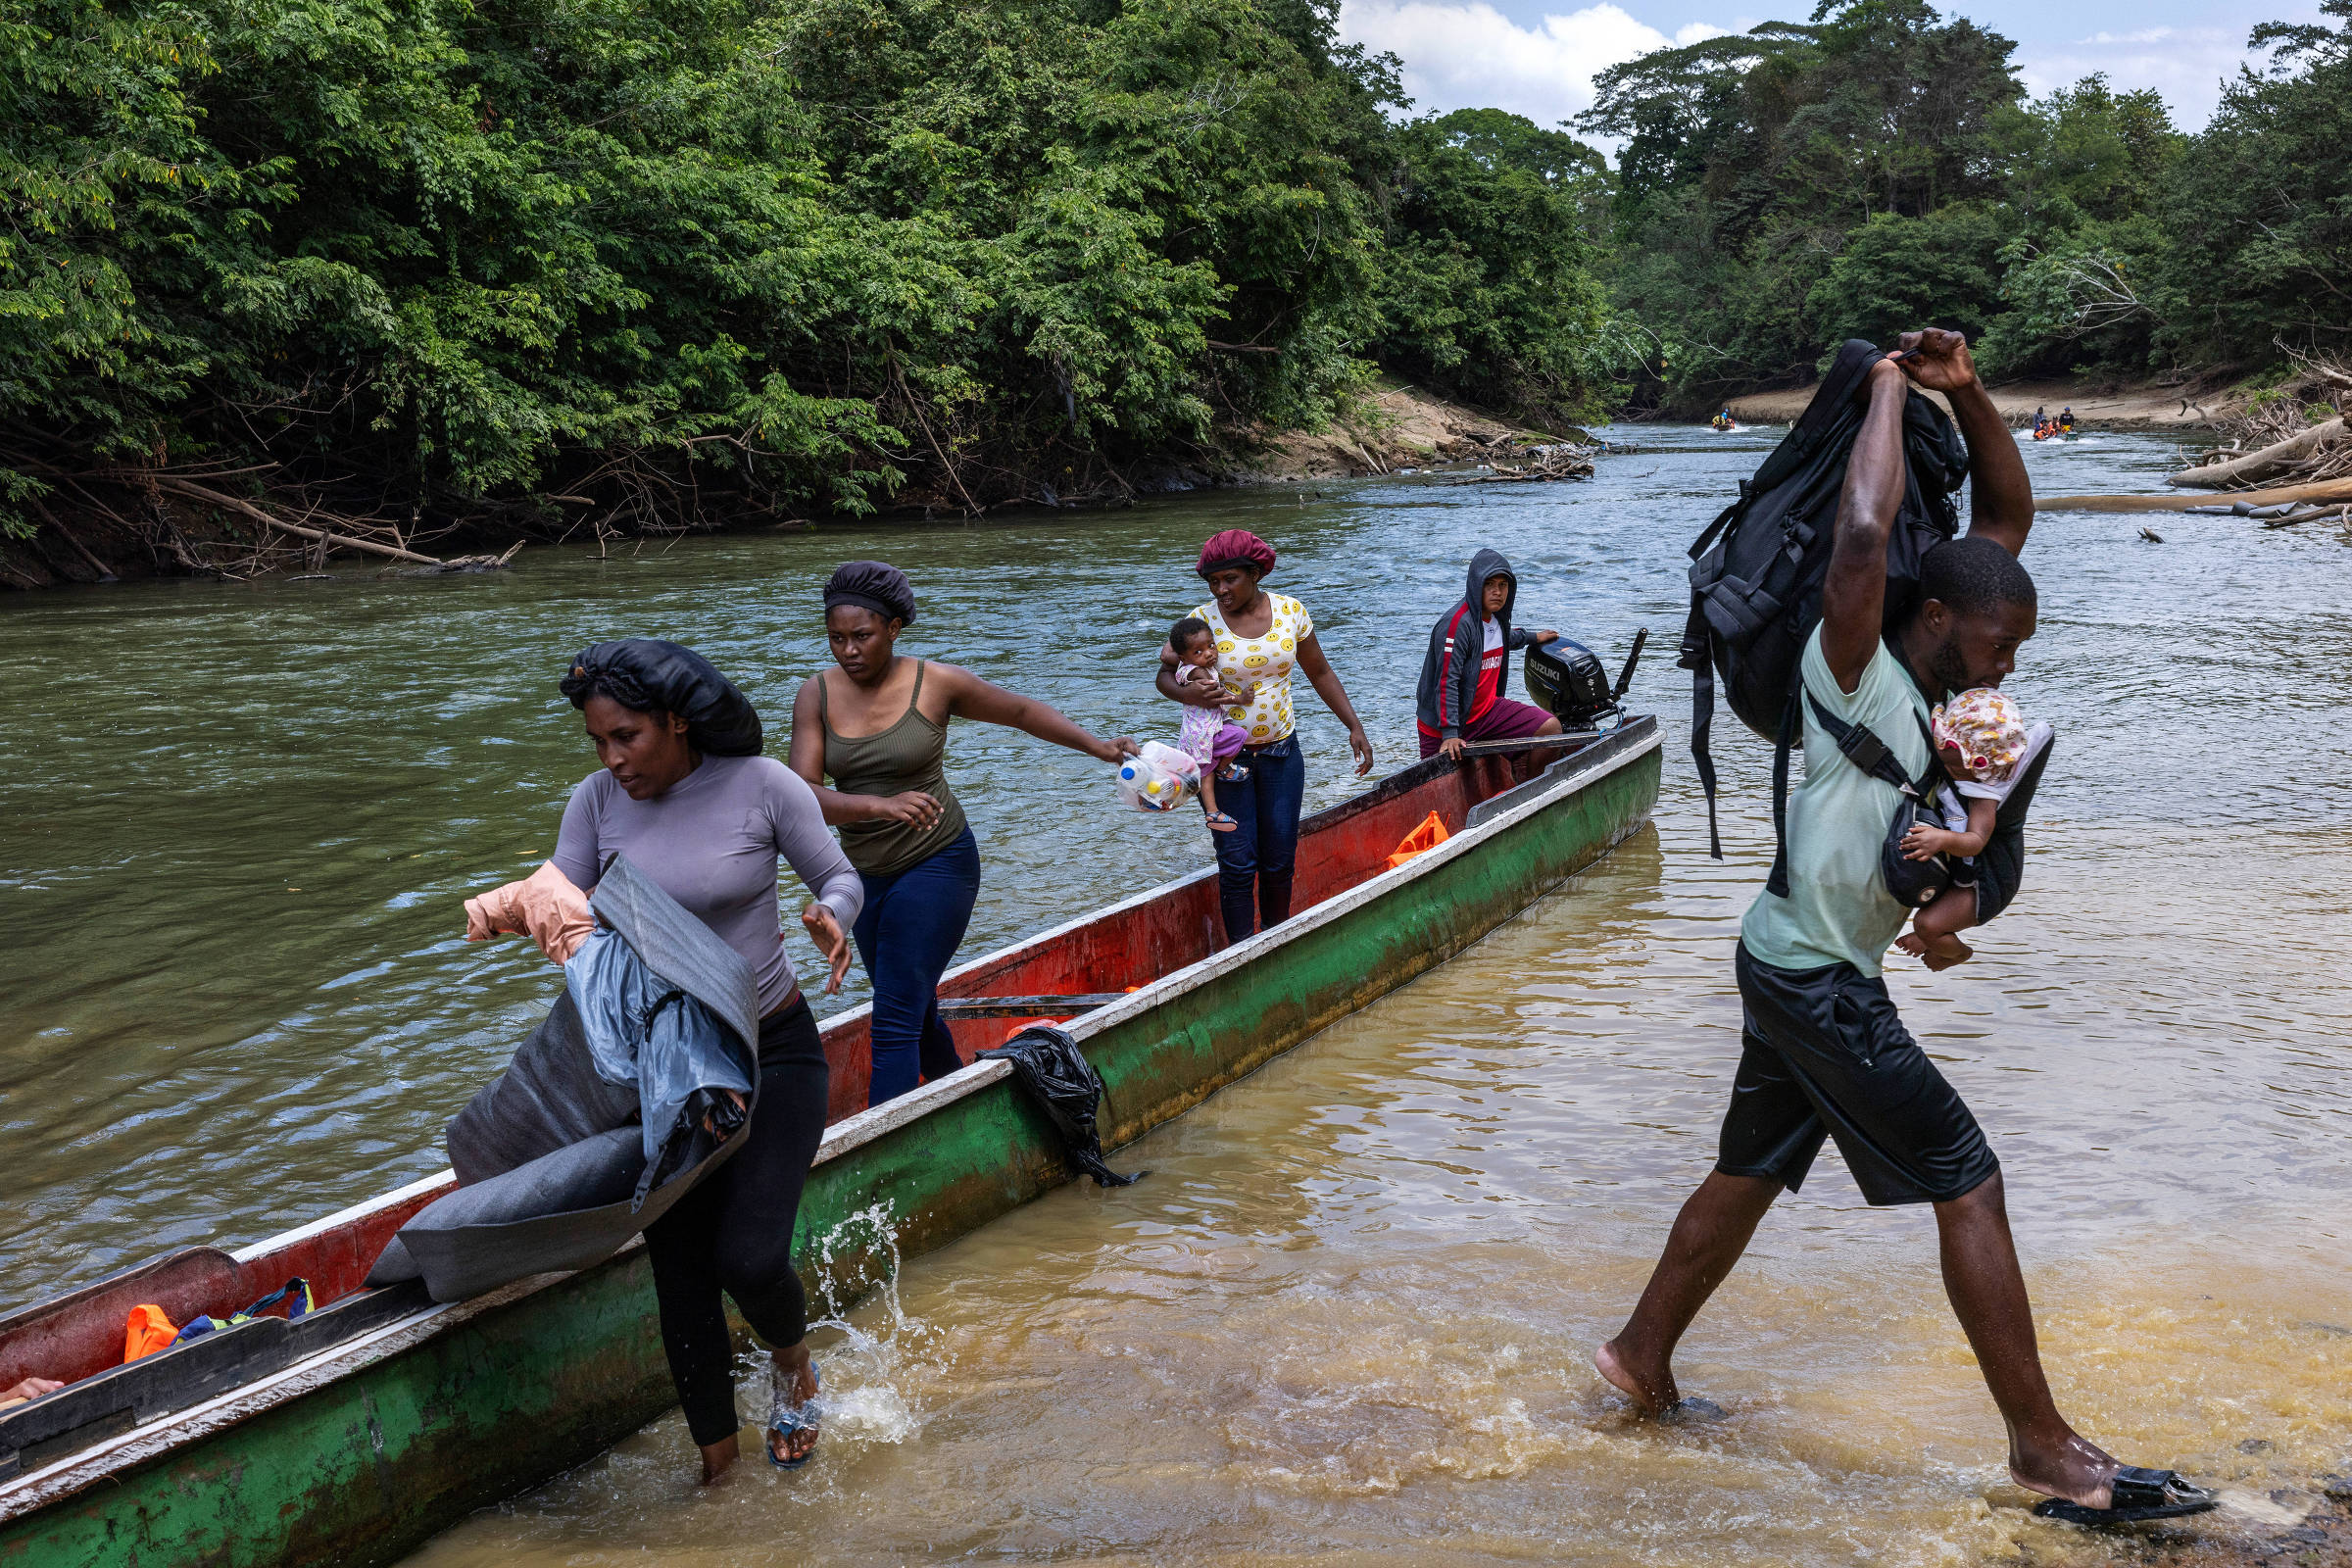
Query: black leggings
[[734, 1230]]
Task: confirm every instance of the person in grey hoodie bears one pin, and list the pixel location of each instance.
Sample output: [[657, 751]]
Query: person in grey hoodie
[[1468, 666]]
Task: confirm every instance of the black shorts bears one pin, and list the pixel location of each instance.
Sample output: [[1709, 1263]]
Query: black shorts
[[1824, 1054]]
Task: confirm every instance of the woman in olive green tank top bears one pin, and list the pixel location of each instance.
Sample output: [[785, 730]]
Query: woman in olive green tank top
[[877, 727]]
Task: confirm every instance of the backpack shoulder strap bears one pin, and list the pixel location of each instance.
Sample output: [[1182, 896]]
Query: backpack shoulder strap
[[1860, 746], [1791, 728], [1698, 657], [1864, 749]]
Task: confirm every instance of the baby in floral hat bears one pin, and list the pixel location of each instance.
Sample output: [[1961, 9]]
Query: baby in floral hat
[[1984, 744]]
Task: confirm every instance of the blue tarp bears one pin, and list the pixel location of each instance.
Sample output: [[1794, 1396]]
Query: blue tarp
[[597, 1126]]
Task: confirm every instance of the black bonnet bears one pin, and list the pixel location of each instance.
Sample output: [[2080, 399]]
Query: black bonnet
[[647, 674], [874, 585]]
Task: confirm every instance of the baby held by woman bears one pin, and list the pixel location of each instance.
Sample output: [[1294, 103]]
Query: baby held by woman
[[1985, 746], [1207, 736]]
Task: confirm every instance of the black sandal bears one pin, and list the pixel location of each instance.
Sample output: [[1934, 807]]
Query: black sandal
[[2134, 1497]]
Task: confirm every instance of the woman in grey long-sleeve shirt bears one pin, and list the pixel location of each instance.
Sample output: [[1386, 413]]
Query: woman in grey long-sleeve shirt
[[710, 840], [685, 796]]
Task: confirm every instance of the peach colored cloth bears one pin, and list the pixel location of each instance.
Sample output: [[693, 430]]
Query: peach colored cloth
[[545, 906]]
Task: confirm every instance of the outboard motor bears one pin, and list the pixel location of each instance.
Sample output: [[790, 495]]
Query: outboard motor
[[1567, 680]]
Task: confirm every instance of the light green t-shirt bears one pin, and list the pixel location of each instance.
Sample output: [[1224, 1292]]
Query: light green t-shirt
[[1838, 910]]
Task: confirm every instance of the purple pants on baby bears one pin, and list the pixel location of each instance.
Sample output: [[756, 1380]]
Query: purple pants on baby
[[1208, 738]]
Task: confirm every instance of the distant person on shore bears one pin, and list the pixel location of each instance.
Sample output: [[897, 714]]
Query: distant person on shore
[[1985, 748], [877, 726], [684, 792], [1207, 735], [1824, 1054], [1468, 667], [1260, 639]]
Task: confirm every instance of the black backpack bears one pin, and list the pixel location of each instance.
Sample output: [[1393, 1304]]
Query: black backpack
[[1756, 573]]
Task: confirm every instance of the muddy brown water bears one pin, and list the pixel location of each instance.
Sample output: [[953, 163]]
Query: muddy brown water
[[1348, 1316]]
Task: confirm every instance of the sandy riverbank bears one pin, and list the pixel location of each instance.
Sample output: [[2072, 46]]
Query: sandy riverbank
[[2145, 408], [1400, 427]]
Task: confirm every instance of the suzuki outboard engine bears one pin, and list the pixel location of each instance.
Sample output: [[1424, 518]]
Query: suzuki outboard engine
[[1567, 680]]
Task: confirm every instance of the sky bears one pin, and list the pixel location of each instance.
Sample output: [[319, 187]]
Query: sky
[[1539, 60]]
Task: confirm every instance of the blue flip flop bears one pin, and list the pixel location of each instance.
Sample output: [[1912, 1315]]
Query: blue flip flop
[[784, 1420]]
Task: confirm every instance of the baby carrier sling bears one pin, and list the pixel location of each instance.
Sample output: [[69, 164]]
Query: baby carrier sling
[[1911, 883], [1757, 571], [1915, 884]]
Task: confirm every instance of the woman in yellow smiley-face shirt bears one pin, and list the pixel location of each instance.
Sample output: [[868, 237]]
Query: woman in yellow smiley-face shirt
[[1262, 638]]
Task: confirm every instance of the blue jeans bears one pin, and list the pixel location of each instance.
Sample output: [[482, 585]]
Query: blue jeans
[[1255, 860], [912, 922]]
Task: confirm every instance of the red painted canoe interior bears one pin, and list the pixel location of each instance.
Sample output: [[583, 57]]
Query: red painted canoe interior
[[1338, 849], [81, 1334]]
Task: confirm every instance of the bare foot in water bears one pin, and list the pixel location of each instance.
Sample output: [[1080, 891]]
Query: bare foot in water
[[1652, 1396]]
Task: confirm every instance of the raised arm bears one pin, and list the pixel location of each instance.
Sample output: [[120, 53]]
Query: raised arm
[[970, 697], [1326, 682], [2000, 496], [1853, 601]]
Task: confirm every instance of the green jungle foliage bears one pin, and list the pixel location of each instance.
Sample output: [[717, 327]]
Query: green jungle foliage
[[671, 260], [651, 263], [1878, 167]]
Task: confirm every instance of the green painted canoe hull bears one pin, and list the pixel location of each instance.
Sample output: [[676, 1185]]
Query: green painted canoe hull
[[360, 1459]]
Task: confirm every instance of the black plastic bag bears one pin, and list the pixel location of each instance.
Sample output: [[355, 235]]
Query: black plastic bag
[[1067, 1089]]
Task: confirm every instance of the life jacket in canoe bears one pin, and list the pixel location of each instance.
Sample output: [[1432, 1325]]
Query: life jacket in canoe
[[148, 1330], [1756, 573], [1421, 840]]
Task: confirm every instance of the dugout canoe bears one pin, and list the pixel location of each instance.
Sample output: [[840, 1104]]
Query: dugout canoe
[[356, 1433]]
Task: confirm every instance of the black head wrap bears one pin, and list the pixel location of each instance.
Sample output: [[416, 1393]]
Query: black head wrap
[[648, 676], [874, 585]]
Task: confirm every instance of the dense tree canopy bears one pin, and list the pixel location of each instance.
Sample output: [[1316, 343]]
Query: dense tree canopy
[[674, 258], [1879, 165], [661, 261]]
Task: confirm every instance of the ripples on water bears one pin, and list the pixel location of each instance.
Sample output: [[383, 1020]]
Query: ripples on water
[[1348, 1315]]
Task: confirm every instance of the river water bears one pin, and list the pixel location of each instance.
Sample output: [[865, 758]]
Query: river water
[[1348, 1316]]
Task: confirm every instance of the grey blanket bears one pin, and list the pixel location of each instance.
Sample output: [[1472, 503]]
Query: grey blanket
[[556, 1166]]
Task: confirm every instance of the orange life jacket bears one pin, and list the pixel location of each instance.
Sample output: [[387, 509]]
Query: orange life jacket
[[1421, 840], [147, 1332]]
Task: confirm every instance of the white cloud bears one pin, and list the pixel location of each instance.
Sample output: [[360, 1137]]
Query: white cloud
[[1464, 54], [2187, 64]]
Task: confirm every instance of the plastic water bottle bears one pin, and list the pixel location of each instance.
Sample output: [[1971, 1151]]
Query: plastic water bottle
[[1159, 779]]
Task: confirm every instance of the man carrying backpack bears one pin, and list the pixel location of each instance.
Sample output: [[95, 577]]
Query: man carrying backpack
[[1823, 1051]]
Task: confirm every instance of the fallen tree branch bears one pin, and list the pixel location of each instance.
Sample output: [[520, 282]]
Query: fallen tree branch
[[1556, 464], [2278, 457], [954, 478], [106, 574], [246, 508], [2327, 490]]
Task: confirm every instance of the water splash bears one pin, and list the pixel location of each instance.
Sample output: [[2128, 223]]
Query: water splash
[[861, 1335]]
